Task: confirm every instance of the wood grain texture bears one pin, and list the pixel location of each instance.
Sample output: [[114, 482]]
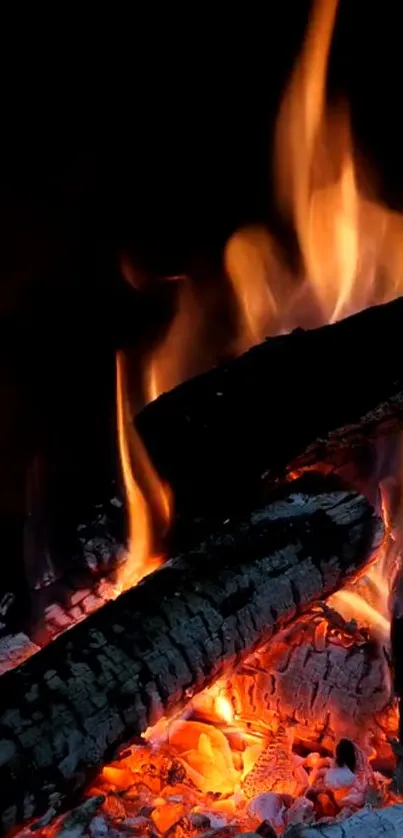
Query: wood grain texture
[[68, 708]]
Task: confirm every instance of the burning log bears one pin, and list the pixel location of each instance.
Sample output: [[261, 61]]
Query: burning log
[[214, 437], [66, 710], [368, 823]]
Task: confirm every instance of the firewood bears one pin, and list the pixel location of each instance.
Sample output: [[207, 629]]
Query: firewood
[[368, 823], [214, 437], [67, 710]]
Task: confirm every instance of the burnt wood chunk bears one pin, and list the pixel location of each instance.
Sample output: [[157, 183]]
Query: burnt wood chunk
[[215, 436], [66, 711]]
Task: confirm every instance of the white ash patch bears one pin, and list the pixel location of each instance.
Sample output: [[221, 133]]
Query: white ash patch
[[15, 648]]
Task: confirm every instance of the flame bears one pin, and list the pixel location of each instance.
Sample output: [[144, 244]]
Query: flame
[[175, 358], [141, 503], [368, 599], [351, 253]]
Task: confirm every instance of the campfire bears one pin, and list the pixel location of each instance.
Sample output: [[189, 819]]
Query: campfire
[[237, 668]]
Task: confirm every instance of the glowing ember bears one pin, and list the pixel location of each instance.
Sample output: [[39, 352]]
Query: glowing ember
[[300, 732]]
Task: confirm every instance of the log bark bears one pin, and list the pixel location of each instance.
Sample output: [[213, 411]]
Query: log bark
[[368, 823], [214, 437], [66, 710]]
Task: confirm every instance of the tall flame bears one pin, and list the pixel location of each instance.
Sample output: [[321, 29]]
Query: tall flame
[[147, 498], [350, 245], [315, 171]]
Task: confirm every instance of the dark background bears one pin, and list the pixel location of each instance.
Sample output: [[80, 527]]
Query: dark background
[[151, 135]]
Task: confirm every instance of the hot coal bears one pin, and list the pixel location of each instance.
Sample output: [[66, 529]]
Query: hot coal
[[136, 659]]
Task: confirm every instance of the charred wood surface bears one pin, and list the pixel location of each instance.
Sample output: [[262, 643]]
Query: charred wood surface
[[66, 710], [323, 679], [214, 437]]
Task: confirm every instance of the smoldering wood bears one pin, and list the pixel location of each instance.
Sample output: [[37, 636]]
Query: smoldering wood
[[215, 436], [324, 681], [67, 710], [368, 823]]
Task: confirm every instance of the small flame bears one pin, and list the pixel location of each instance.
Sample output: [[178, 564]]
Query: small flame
[[368, 600], [175, 359], [350, 257], [249, 260], [142, 503]]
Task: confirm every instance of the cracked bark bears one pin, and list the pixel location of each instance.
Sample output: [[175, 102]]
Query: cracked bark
[[214, 437], [320, 682], [66, 710]]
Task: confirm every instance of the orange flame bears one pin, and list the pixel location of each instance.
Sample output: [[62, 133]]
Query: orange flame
[[142, 503], [350, 246], [175, 359]]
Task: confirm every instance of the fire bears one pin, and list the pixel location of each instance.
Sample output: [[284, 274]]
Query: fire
[[350, 245], [350, 257], [235, 741], [145, 497], [175, 358], [263, 728]]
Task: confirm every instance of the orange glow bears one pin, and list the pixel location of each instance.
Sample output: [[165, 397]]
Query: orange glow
[[224, 709], [141, 503]]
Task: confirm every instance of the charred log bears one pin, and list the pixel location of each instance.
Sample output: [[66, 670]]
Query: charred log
[[214, 437], [66, 710]]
